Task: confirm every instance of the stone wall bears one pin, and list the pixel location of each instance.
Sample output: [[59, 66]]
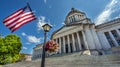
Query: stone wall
[[115, 50]]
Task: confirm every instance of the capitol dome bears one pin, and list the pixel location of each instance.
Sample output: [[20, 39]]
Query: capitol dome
[[74, 16]]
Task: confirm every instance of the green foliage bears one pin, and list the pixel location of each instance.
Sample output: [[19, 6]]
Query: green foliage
[[22, 56], [10, 47]]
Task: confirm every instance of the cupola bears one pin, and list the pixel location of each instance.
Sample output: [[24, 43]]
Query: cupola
[[74, 16]]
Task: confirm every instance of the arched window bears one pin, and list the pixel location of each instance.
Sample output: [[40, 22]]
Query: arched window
[[82, 16], [76, 17], [69, 19], [73, 18], [79, 17]]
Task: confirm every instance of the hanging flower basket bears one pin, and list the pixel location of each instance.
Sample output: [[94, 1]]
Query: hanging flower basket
[[51, 46]]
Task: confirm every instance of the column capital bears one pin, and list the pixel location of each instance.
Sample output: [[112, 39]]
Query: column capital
[[92, 26], [86, 26]]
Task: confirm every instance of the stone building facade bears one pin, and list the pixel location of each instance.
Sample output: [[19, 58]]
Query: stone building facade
[[80, 34], [37, 52], [28, 57], [109, 35]]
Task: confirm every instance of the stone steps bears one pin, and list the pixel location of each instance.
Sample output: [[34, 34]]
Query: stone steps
[[74, 60]]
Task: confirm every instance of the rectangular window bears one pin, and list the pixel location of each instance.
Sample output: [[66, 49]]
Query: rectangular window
[[116, 36], [114, 33], [109, 39], [118, 41]]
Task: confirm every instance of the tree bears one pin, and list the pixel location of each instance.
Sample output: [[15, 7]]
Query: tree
[[22, 56], [10, 47]]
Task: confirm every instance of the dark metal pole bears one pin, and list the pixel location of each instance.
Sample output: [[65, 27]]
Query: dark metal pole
[[43, 52]]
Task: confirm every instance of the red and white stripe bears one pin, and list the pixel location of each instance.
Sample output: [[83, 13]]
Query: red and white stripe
[[17, 19]]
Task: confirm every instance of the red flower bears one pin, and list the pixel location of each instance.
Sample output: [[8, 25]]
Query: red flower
[[51, 46]]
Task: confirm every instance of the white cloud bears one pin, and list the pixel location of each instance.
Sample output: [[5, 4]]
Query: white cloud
[[63, 23], [117, 16], [33, 39], [106, 13], [25, 48], [27, 43], [24, 34], [41, 22], [45, 1]]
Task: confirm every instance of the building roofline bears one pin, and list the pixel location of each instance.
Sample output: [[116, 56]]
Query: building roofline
[[26, 54], [108, 23], [74, 24], [56, 31], [37, 45]]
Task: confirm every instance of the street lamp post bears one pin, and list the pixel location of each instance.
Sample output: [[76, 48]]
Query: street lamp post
[[46, 29]]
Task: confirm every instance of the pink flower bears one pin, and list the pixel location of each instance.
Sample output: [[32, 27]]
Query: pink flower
[[51, 46]]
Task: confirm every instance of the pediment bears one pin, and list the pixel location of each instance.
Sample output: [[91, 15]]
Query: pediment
[[65, 29]]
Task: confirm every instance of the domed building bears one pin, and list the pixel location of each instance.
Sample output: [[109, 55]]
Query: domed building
[[80, 34]]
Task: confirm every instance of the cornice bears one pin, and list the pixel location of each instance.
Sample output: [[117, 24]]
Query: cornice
[[112, 22]]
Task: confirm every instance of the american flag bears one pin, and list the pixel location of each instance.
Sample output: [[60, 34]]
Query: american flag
[[19, 18]]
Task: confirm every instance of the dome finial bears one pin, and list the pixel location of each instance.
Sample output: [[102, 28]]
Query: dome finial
[[72, 9]]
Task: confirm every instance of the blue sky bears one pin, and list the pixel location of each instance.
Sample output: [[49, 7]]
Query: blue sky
[[54, 13]]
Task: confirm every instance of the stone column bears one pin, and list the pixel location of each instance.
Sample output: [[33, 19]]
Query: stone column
[[64, 47], [104, 42], [34, 55], [118, 32], [73, 42], [85, 41], [114, 41], [56, 40], [79, 42], [68, 41], [60, 44], [89, 37], [95, 37]]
